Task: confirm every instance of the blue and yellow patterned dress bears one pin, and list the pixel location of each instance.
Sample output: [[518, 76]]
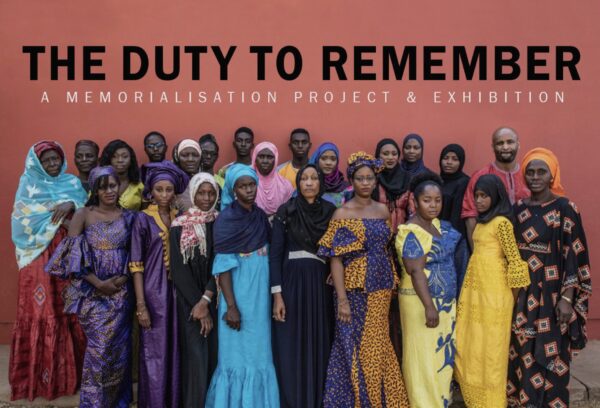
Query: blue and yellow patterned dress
[[428, 353], [361, 372]]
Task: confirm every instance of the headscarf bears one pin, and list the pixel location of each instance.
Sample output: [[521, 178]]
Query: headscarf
[[460, 153], [453, 188], [37, 194], [193, 221], [185, 143], [46, 145], [419, 166], [545, 155], [333, 182], [492, 186], [306, 223], [273, 189], [100, 171], [238, 230], [152, 173], [394, 181], [362, 159]]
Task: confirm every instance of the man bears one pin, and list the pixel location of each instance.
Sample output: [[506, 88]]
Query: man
[[155, 146], [243, 142], [210, 154], [300, 146], [505, 143]]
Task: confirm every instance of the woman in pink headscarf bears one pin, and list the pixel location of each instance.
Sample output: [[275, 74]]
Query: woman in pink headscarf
[[273, 189]]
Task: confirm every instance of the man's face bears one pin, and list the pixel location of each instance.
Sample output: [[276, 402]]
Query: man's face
[[506, 146], [300, 145], [243, 144], [155, 148], [210, 154]]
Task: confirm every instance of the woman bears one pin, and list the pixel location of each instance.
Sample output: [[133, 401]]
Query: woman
[[94, 256], [155, 300], [187, 154], [86, 158], [327, 158], [245, 375], [412, 155], [121, 157], [191, 256], [494, 275], [549, 323], [47, 344], [360, 372], [452, 161], [273, 189], [302, 301]]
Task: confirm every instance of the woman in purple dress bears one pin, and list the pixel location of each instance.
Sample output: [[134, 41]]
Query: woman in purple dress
[[155, 301], [94, 255]]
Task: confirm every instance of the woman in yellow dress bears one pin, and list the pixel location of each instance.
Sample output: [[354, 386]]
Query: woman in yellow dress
[[432, 253], [121, 157], [494, 276]]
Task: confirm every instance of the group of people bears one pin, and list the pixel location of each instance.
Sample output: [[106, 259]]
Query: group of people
[[268, 284]]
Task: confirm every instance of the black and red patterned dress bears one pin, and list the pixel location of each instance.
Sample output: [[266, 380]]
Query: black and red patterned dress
[[551, 240]]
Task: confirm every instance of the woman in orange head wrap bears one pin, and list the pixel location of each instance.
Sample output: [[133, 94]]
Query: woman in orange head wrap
[[545, 155]]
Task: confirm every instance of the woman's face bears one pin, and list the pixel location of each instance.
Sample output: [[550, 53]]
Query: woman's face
[[108, 194], [429, 202], [51, 162], [483, 202], [86, 158], [538, 176], [163, 193], [450, 163], [189, 160], [205, 196], [265, 162], [121, 160], [412, 151], [328, 162], [389, 154], [245, 190], [310, 184], [363, 181]]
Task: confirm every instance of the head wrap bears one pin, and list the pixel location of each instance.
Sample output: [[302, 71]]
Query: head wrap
[[460, 153], [273, 189], [453, 189], [395, 180], [234, 172], [101, 171], [493, 187], [362, 159], [46, 145], [333, 182], [185, 143], [306, 223], [545, 155], [193, 221], [152, 173], [419, 166], [238, 230], [37, 194]]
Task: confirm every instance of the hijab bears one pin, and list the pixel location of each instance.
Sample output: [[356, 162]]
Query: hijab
[[333, 182], [273, 189], [193, 221], [492, 186], [394, 181], [154, 172], [453, 188], [419, 166], [238, 230], [545, 155], [305, 223], [37, 194]]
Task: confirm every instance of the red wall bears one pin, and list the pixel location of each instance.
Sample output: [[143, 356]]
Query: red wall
[[570, 129]]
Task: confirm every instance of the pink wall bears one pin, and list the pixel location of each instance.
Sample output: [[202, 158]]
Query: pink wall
[[568, 128]]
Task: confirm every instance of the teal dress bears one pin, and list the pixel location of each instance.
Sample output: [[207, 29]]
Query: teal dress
[[245, 374]]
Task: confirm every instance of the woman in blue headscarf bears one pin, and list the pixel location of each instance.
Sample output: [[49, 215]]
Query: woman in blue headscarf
[[47, 344], [327, 159], [245, 375]]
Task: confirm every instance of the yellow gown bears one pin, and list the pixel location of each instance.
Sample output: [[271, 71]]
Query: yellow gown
[[485, 313]]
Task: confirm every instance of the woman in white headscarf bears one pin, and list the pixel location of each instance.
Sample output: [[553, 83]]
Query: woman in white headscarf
[[187, 156]]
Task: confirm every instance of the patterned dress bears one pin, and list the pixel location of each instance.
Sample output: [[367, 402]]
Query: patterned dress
[[360, 372], [552, 241], [103, 250], [428, 358], [484, 314]]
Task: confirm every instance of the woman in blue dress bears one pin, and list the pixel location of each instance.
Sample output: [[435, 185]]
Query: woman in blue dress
[[245, 375]]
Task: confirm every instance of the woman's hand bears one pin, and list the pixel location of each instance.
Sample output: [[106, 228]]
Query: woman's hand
[[432, 318], [201, 313], [60, 211], [564, 311], [278, 308], [232, 317], [109, 286], [143, 316], [344, 311], [120, 281]]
